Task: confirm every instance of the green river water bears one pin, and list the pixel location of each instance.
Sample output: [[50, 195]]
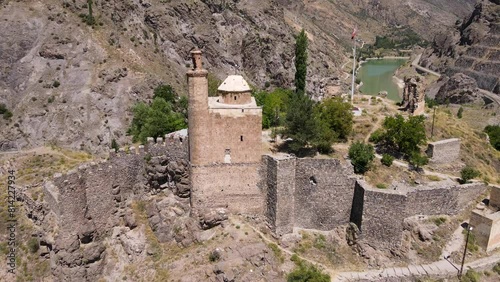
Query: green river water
[[376, 76]]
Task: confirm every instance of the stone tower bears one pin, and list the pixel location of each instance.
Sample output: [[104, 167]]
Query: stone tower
[[224, 143], [198, 107]]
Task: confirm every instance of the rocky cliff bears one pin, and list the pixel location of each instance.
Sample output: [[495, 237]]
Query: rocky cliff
[[471, 48], [71, 84]]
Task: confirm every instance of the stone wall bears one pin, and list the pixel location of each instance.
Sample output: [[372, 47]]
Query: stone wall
[[323, 194], [383, 215], [444, 151], [383, 211], [230, 186], [85, 199], [307, 193]]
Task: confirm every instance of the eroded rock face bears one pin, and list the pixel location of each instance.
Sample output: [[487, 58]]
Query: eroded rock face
[[458, 89], [166, 173]]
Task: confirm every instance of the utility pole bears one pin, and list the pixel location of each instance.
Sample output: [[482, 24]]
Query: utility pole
[[433, 118], [469, 229], [353, 38], [353, 71]]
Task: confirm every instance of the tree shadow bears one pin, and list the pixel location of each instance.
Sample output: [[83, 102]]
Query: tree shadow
[[291, 148]]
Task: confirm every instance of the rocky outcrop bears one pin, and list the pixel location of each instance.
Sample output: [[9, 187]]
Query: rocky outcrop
[[470, 48], [458, 89]]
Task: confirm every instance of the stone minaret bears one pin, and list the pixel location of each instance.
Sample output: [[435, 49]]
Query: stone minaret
[[198, 108]]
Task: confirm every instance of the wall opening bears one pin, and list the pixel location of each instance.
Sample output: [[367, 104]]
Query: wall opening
[[227, 156], [235, 98], [241, 138], [313, 180]]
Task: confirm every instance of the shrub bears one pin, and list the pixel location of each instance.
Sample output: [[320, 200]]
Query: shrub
[[460, 112], [381, 186], [114, 145], [5, 112], [166, 92], [377, 136], [306, 272], [387, 159], [496, 268], [214, 256], [361, 156], [468, 173], [471, 276], [56, 84], [33, 245]]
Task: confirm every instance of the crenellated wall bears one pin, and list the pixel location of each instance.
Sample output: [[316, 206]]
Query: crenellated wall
[[85, 199]]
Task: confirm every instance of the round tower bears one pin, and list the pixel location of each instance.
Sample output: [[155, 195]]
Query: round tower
[[198, 108]]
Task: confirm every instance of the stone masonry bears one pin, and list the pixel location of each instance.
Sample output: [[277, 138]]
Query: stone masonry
[[380, 212], [486, 222], [307, 193], [225, 144], [444, 151]]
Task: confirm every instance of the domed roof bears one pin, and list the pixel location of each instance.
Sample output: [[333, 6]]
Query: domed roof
[[234, 83]]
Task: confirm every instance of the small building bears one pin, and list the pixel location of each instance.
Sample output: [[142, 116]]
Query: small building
[[485, 220]]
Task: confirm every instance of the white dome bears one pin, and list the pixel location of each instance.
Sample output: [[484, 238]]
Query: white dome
[[234, 83]]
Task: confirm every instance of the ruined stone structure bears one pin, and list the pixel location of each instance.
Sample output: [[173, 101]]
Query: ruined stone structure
[[225, 143], [444, 151], [485, 220], [380, 213], [87, 203], [413, 100]]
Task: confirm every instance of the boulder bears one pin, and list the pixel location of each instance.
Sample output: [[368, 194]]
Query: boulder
[[458, 89]]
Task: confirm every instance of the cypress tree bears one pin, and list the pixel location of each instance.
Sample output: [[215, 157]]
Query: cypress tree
[[301, 62]]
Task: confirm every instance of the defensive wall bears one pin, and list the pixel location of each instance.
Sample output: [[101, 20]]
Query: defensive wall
[[444, 151], [380, 212], [85, 199], [306, 193]]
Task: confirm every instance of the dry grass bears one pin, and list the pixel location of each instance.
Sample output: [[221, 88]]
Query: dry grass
[[475, 150]]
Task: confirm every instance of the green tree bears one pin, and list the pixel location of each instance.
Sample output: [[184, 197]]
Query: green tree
[[337, 115], [300, 124], [460, 112], [405, 135], [274, 106], [213, 85], [468, 173], [361, 156], [301, 61], [166, 92], [493, 132], [155, 120], [418, 160]]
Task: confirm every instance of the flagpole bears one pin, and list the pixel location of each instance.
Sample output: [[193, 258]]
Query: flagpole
[[353, 70]]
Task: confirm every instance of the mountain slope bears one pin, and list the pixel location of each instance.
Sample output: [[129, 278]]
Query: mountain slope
[[69, 84]]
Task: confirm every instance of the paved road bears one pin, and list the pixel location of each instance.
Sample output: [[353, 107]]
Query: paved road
[[494, 97], [441, 269]]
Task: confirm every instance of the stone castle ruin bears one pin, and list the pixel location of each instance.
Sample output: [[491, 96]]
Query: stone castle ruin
[[413, 99], [219, 168]]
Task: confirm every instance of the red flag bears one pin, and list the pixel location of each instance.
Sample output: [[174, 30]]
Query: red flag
[[354, 33]]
